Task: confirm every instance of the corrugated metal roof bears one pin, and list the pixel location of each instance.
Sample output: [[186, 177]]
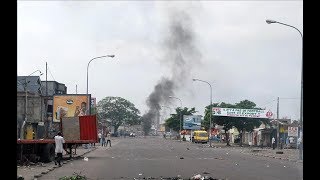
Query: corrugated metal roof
[[33, 84]]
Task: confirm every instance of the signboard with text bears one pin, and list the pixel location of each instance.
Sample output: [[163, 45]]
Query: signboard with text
[[293, 131], [234, 112], [192, 122]]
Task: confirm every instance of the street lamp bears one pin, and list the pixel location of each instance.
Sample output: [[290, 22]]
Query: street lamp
[[180, 113], [210, 106], [35, 72], [170, 114], [301, 97], [88, 104]]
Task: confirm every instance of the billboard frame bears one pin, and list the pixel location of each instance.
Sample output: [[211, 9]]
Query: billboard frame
[[61, 95]]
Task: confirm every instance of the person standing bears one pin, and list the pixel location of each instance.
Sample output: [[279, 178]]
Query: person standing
[[103, 140], [99, 138], [299, 143], [59, 140], [273, 143], [108, 139]]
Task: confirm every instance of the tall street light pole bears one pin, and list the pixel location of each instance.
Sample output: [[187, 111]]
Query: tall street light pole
[[88, 104], [180, 113], [301, 97], [210, 107], [170, 114], [26, 104]]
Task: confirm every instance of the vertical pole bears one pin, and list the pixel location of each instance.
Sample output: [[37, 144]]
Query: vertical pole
[[278, 131], [76, 89], [88, 85], [210, 115], [26, 103], [46, 108], [46, 79], [180, 125], [301, 107]]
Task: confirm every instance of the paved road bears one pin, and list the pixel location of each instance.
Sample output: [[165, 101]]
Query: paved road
[[155, 157]]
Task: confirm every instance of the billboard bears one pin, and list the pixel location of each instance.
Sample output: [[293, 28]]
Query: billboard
[[191, 121], [69, 105], [293, 131], [234, 112]]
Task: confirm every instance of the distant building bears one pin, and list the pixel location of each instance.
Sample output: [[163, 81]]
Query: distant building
[[31, 83], [53, 88], [39, 107], [32, 112]]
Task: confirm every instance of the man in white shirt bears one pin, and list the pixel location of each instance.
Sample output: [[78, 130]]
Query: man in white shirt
[[273, 143], [59, 140], [99, 138], [108, 138]]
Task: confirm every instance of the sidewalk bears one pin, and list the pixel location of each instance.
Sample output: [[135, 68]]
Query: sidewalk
[[33, 171]]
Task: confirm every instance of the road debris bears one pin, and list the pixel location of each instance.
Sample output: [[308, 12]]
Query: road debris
[[198, 176], [85, 159]]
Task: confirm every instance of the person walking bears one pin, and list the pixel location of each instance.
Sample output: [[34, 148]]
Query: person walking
[[273, 143], [108, 138], [59, 140], [103, 140], [99, 138]]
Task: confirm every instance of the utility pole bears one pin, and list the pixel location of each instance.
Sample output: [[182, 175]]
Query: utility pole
[[278, 131], [25, 110], [46, 104], [46, 79]]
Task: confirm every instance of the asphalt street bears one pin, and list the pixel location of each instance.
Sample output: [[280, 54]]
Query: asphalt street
[[157, 158]]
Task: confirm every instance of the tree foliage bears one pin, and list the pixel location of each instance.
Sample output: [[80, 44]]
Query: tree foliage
[[119, 111], [174, 121]]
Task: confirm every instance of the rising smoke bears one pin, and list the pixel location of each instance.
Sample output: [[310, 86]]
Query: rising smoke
[[181, 55]]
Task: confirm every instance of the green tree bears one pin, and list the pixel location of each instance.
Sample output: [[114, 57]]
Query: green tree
[[241, 123], [226, 122], [119, 110], [247, 124], [174, 121]]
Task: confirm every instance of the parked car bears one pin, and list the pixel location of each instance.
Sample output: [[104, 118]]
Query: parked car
[[215, 138]]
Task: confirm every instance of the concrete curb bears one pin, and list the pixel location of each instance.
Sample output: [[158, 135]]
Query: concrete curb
[[36, 176]]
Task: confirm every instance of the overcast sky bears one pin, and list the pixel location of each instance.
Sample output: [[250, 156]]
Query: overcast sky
[[242, 56]]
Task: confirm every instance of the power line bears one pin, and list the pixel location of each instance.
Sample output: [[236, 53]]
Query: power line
[[276, 100], [269, 102], [289, 98], [51, 74]]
